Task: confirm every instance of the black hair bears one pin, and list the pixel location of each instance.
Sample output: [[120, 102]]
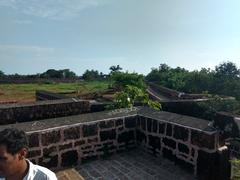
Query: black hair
[[14, 140]]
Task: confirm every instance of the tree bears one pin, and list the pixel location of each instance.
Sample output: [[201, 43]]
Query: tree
[[2, 74], [66, 73], [115, 69], [52, 73], [168, 77], [122, 79], [227, 69], [91, 75]]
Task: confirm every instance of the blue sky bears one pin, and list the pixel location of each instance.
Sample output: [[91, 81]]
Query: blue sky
[[136, 34]]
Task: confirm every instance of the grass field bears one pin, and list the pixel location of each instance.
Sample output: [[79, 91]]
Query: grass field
[[26, 92]]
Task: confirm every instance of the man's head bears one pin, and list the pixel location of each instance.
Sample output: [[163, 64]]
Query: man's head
[[13, 150]]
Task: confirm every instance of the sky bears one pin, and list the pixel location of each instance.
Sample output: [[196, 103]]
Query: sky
[[36, 35]]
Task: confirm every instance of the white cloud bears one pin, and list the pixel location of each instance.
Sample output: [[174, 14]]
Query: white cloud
[[52, 9]]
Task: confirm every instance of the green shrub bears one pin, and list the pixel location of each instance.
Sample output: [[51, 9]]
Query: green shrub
[[235, 169]]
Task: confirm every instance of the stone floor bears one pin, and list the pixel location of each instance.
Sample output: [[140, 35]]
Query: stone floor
[[133, 165]]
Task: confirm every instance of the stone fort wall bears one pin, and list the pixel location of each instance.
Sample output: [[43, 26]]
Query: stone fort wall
[[13, 113], [84, 137]]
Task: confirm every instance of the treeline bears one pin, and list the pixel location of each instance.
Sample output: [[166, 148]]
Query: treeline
[[63, 74], [223, 80], [50, 73]]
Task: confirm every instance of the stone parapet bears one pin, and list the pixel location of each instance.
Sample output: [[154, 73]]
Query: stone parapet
[[66, 141], [13, 113]]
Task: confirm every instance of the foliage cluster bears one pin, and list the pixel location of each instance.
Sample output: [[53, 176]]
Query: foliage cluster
[[132, 95], [122, 79], [235, 169], [50, 73], [131, 91], [64, 73], [224, 80], [90, 75], [216, 104]]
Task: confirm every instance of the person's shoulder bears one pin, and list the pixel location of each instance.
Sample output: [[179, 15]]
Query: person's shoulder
[[44, 173]]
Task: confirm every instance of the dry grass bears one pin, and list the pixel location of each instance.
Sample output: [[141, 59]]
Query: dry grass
[[26, 92]]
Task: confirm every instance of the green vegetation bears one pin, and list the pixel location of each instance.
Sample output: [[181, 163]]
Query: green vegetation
[[26, 92], [122, 79], [91, 75], [2, 74], [64, 73], [132, 90], [114, 69], [131, 95], [224, 80], [235, 169]]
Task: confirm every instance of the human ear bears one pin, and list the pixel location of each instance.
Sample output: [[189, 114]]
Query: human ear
[[22, 153]]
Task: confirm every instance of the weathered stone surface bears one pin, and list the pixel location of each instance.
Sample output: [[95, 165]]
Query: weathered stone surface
[[33, 140], [41, 110], [50, 151], [108, 135], [206, 165], [202, 140], [69, 158], [49, 162], [119, 122], [154, 126], [193, 152], [143, 123], [106, 124], [134, 165], [88, 159], [183, 148], [154, 142], [126, 137], [71, 133], [34, 153], [107, 150], [169, 142], [65, 146], [185, 165], [180, 133], [162, 128], [51, 137], [138, 119], [86, 147], [79, 143], [130, 122], [149, 125], [96, 134], [169, 130], [90, 130], [168, 154], [140, 136], [92, 140]]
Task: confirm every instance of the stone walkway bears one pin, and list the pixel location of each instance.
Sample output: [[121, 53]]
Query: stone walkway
[[133, 165]]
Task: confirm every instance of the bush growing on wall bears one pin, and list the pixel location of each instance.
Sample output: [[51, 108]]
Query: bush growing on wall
[[122, 79], [131, 95]]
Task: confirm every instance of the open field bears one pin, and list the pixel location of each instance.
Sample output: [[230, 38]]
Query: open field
[[26, 92]]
